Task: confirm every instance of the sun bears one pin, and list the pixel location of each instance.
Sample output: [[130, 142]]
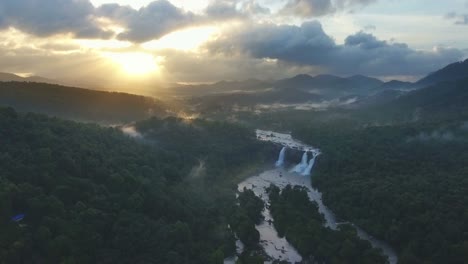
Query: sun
[[134, 63]]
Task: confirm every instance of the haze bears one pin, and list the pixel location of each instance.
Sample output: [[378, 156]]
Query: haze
[[116, 44]]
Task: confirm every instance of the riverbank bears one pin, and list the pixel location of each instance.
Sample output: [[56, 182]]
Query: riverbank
[[279, 248]]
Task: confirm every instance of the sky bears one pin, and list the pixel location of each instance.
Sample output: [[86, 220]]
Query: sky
[[129, 44]]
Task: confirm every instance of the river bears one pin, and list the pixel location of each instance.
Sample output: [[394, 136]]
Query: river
[[274, 246]]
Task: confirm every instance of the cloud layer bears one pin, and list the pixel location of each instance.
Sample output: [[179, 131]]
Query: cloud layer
[[151, 22], [266, 41], [460, 19], [315, 8], [50, 17], [308, 44]]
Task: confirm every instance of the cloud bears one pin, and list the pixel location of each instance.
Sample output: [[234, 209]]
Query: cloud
[[364, 41], [49, 17], [308, 44], [308, 8], [45, 18], [459, 19], [227, 9], [150, 22], [182, 66], [315, 8], [222, 9], [252, 7], [284, 42], [370, 27], [161, 17]]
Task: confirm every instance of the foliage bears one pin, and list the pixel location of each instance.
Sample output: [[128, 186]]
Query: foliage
[[248, 213], [298, 219], [223, 146], [93, 195], [407, 184], [79, 104]]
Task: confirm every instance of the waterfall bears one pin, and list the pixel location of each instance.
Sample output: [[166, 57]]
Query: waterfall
[[299, 168], [280, 160], [307, 170]]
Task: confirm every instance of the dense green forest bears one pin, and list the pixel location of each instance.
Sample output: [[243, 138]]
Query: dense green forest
[[93, 195], [223, 148], [407, 184], [298, 219], [248, 213], [90, 194], [79, 104]]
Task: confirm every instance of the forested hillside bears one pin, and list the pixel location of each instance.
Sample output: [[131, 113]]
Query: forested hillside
[[406, 184], [79, 104], [441, 101], [219, 147], [93, 195]]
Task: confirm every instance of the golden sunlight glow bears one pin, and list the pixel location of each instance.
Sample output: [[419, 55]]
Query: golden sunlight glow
[[134, 63], [187, 116], [185, 40], [103, 44]]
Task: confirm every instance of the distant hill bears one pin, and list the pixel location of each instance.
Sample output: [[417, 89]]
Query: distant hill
[[397, 85], [299, 89], [452, 72], [10, 77], [327, 86], [219, 87], [78, 104], [444, 100], [330, 86]]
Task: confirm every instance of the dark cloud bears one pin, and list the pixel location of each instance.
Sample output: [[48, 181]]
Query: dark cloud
[[161, 17], [364, 41], [308, 8], [151, 22], [308, 44], [315, 8], [223, 9], [284, 42], [48, 17]]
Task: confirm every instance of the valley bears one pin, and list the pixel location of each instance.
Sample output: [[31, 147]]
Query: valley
[[371, 174]]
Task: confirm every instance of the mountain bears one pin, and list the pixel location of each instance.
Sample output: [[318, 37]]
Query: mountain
[[79, 104], [327, 86], [452, 72], [364, 81], [330, 86], [10, 77], [441, 101], [397, 85], [300, 89], [379, 98], [6, 77], [219, 87]]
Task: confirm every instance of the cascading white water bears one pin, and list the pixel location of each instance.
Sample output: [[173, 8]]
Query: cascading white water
[[307, 170], [274, 246], [280, 161], [299, 168]]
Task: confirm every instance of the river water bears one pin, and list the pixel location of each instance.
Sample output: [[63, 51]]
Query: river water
[[274, 246]]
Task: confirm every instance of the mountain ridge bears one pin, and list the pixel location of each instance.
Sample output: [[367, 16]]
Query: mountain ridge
[[11, 77], [451, 72]]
